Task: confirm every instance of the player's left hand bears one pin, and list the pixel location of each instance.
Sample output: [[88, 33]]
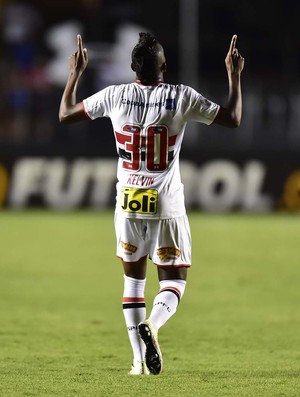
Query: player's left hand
[[79, 60], [234, 60]]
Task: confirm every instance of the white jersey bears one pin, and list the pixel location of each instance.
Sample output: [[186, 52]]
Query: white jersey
[[149, 124]]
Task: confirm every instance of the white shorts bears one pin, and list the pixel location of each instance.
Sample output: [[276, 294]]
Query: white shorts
[[166, 241]]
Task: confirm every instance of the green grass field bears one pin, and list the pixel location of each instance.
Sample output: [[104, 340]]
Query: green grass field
[[62, 333]]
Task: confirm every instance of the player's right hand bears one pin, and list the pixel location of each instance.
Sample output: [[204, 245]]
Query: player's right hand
[[234, 60], [79, 60]]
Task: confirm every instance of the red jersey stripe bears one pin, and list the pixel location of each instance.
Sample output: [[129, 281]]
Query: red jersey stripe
[[121, 138], [220, 110], [85, 112]]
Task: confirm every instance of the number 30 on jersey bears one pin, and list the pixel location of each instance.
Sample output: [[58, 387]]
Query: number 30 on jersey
[[151, 148]]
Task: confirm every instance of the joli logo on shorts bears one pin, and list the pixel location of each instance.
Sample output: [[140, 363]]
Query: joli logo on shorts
[[142, 201]]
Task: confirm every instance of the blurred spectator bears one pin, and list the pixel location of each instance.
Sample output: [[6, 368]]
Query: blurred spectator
[[21, 24], [24, 83], [61, 40]]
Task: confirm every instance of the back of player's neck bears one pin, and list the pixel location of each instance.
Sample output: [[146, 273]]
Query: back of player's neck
[[151, 83]]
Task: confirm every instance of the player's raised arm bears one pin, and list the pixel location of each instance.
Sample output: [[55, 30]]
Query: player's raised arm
[[70, 110], [231, 115]]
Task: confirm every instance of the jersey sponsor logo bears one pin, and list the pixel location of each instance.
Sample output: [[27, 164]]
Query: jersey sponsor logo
[[170, 103], [142, 201], [129, 248], [141, 104], [168, 253]]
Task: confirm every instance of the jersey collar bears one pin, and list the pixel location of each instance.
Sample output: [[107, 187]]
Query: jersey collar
[[148, 85]]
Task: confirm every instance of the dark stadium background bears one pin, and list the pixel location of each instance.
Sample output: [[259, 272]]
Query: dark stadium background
[[36, 38]]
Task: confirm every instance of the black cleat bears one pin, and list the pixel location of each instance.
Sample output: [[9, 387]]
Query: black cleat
[[153, 355]]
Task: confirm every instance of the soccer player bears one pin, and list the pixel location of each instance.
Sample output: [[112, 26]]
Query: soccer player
[[149, 118]]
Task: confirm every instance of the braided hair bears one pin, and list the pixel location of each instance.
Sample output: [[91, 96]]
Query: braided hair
[[145, 58]]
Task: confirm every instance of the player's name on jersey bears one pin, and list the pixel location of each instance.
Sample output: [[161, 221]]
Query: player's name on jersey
[[140, 180]]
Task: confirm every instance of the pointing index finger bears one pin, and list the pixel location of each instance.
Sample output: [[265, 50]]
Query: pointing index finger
[[232, 44], [79, 43]]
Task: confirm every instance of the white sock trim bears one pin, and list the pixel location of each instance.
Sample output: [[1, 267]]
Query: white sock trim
[[176, 286], [134, 287]]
